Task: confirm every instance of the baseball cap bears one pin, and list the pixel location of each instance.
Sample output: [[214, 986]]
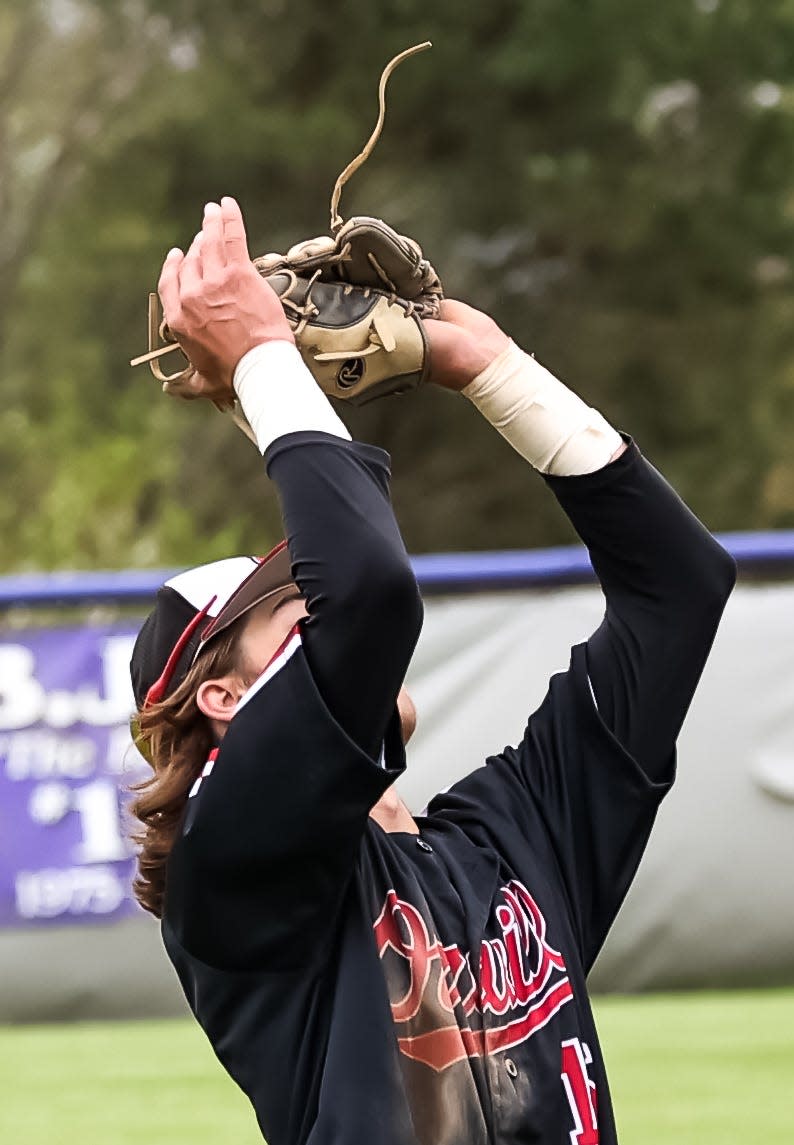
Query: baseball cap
[[194, 607]]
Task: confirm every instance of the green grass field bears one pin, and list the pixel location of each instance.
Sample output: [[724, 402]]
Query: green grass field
[[686, 1069]]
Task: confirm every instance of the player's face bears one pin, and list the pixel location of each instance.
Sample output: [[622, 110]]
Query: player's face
[[267, 626]]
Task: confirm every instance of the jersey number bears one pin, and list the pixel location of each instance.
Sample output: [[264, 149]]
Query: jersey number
[[581, 1092]]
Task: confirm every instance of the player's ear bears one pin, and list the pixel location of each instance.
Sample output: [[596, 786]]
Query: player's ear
[[218, 698]]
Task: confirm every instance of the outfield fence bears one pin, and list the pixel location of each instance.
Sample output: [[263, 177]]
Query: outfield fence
[[758, 553]]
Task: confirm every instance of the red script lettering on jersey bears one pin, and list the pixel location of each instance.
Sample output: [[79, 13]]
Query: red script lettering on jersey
[[433, 993]]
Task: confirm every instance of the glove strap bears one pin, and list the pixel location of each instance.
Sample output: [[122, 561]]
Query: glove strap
[[381, 338]]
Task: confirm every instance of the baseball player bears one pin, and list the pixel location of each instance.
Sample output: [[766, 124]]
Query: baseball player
[[364, 975]]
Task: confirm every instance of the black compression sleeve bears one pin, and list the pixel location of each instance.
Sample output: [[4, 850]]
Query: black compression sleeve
[[349, 561], [666, 581]]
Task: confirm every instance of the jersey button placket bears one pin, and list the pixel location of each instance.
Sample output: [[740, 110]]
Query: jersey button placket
[[511, 1067], [423, 846]]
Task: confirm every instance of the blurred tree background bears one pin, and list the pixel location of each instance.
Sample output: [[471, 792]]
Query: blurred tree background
[[612, 179]]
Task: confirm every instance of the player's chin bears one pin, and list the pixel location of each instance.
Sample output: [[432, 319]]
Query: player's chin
[[407, 710]]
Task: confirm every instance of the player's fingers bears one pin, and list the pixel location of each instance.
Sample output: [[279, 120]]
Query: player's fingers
[[168, 283], [234, 235], [190, 271], [213, 251]]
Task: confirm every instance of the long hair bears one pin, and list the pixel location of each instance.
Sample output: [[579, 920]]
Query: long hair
[[175, 737]]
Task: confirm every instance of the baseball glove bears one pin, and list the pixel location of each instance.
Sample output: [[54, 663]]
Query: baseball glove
[[355, 299], [364, 252], [358, 343]]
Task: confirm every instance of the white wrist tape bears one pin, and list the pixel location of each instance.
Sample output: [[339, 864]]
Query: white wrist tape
[[279, 395], [542, 419]]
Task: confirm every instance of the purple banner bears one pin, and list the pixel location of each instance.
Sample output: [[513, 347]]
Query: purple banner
[[66, 762]]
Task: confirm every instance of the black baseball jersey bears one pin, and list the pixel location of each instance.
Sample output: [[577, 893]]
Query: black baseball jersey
[[364, 986]]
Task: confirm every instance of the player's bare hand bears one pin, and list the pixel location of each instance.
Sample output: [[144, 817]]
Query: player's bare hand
[[216, 304], [463, 341]]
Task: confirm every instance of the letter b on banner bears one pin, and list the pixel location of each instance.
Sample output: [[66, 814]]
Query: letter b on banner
[[22, 698]]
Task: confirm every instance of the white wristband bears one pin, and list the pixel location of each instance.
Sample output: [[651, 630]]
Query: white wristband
[[542, 419], [279, 395]]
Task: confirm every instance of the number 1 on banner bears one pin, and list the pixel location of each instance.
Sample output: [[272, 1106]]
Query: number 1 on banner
[[581, 1092], [98, 807]]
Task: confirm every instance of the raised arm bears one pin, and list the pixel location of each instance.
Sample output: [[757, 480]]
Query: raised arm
[[666, 581], [347, 554], [664, 577], [270, 837], [598, 755]]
